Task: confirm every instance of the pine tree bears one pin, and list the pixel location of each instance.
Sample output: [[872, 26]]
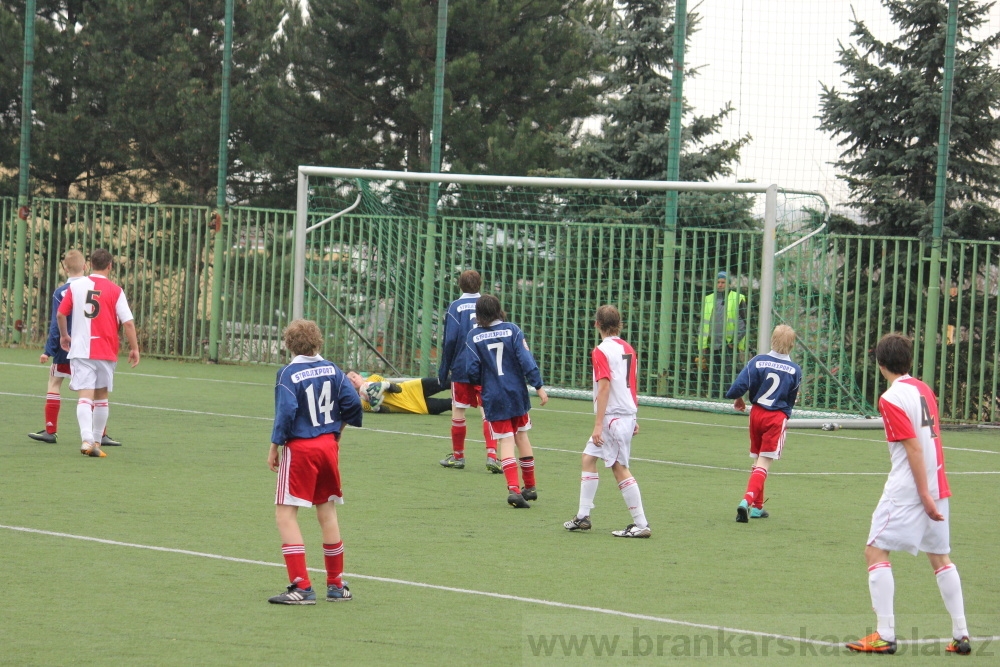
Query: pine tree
[[518, 79], [74, 140], [632, 142], [888, 121]]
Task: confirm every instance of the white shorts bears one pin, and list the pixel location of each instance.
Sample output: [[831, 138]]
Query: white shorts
[[908, 528], [92, 374], [617, 436]]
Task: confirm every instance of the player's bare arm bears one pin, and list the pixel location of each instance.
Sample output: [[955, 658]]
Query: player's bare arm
[[601, 407], [542, 395], [915, 457], [64, 339], [273, 458], [133, 343], [740, 404], [42, 359]]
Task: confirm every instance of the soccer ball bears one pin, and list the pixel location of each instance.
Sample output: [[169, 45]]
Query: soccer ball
[[374, 393]]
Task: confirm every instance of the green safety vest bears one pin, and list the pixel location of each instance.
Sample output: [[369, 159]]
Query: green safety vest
[[733, 302]]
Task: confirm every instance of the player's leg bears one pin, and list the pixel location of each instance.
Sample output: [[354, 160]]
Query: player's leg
[[503, 431], [437, 406], [293, 550], [589, 480], [52, 405], [937, 544], [881, 587], [85, 418], [525, 460], [492, 464], [333, 553], [53, 401], [767, 436], [619, 437], [458, 430], [101, 409], [295, 483]]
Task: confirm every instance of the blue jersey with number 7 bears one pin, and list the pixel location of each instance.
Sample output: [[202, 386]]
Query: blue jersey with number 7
[[500, 362], [772, 380], [313, 397]]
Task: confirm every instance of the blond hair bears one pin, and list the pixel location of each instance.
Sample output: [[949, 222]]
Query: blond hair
[[303, 337], [782, 339], [74, 262]]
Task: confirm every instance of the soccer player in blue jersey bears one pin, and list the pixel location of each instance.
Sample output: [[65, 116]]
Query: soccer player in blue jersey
[[459, 320], [313, 399], [500, 362], [773, 381]]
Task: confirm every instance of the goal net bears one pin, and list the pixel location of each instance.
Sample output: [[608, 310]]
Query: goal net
[[378, 255]]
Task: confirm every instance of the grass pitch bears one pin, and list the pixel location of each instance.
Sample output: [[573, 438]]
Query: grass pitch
[[165, 552]]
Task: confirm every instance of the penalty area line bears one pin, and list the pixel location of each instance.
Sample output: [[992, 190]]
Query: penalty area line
[[468, 591]]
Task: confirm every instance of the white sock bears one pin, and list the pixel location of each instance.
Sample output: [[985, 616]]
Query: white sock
[[882, 588], [100, 419], [950, 586], [633, 500], [588, 489], [85, 415]]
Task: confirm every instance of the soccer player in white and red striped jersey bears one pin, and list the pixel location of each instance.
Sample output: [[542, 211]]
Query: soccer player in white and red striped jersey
[[912, 514], [98, 308], [615, 408]]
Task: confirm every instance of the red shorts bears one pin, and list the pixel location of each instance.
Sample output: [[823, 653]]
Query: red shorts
[[465, 395], [309, 472], [767, 432], [60, 370], [505, 428]]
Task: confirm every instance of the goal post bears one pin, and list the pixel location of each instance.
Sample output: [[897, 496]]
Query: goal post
[[552, 249]]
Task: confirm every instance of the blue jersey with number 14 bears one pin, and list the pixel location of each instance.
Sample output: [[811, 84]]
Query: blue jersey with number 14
[[313, 397], [773, 382]]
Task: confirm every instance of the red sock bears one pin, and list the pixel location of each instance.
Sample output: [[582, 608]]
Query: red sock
[[491, 442], [759, 501], [527, 464], [333, 557], [755, 487], [51, 413], [510, 472], [295, 562], [458, 431]]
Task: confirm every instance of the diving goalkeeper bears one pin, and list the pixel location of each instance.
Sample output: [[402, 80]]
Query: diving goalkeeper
[[406, 396]]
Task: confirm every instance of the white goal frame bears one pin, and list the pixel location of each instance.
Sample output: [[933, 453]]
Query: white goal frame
[[769, 252]]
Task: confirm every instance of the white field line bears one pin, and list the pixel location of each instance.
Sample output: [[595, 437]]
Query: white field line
[[544, 449], [45, 367], [467, 591], [568, 412]]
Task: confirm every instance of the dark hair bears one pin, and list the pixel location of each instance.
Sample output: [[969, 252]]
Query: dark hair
[[895, 352], [609, 320], [488, 309], [470, 281], [100, 259]]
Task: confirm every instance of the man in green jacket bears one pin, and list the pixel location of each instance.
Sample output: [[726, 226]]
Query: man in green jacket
[[723, 333]]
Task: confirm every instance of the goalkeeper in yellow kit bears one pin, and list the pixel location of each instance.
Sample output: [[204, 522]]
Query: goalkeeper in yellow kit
[[406, 396]]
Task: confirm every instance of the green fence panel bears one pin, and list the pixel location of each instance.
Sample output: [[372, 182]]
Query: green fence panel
[[841, 293]]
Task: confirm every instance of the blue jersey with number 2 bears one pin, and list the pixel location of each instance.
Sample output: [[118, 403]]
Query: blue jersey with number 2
[[773, 382], [313, 397]]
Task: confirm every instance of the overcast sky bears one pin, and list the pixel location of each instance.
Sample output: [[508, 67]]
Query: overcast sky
[[768, 58]]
